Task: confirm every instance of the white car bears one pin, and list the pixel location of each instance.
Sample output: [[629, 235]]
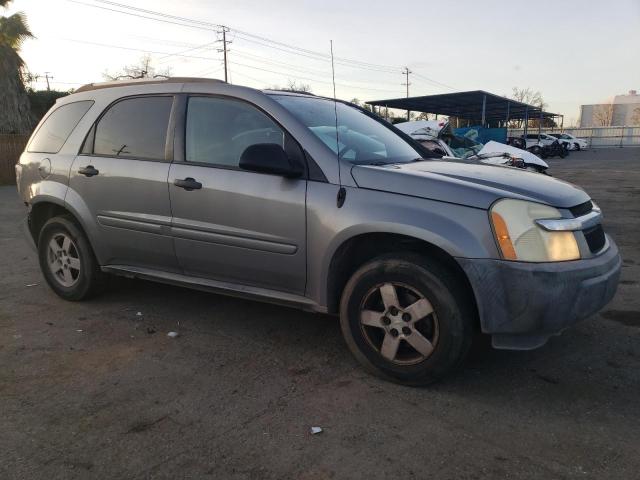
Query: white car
[[542, 140], [438, 137], [574, 143]]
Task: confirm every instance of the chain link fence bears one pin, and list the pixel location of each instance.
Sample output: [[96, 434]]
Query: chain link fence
[[595, 136]]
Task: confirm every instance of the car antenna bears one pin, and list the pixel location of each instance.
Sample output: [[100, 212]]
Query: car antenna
[[342, 192]]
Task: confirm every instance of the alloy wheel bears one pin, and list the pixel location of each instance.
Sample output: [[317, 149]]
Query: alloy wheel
[[400, 323], [63, 259]]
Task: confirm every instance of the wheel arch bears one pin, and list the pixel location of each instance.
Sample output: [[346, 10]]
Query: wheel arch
[[354, 252], [45, 208]]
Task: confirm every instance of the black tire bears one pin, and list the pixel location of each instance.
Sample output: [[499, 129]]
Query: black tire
[[454, 313], [577, 145], [89, 277]]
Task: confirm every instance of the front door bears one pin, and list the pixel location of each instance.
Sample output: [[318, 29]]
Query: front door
[[121, 176], [237, 226]]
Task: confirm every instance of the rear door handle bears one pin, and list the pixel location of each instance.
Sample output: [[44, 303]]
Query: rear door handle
[[188, 184], [88, 171]]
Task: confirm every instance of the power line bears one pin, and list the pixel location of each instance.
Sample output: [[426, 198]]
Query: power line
[[138, 15], [435, 82], [168, 54], [245, 36], [259, 37], [298, 77], [188, 22]]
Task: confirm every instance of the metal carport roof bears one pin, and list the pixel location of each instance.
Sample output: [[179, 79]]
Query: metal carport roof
[[476, 105]]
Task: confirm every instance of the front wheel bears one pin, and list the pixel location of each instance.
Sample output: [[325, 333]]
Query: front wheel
[[67, 260], [577, 145], [407, 319]]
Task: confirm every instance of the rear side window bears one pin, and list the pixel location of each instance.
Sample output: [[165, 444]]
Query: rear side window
[[55, 130], [135, 127]]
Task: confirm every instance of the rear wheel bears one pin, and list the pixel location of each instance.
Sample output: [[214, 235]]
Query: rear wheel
[[406, 318], [67, 260]]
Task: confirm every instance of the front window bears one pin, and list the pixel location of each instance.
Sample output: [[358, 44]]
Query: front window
[[219, 130], [359, 138]]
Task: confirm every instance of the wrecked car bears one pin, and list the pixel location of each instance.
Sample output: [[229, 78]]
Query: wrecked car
[[438, 137]]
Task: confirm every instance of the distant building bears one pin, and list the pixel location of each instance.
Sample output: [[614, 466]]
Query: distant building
[[622, 111]]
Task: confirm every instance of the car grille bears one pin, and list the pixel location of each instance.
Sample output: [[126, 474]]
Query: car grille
[[595, 235], [595, 238], [581, 209]]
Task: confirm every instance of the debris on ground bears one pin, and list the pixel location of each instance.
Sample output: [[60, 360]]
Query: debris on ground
[[79, 330], [151, 330], [172, 334], [31, 285], [139, 314], [315, 430]]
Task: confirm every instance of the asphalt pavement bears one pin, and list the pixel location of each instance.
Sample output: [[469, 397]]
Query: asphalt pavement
[[98, 390]]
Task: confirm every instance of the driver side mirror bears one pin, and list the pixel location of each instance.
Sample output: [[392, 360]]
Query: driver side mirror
[[269, 158]]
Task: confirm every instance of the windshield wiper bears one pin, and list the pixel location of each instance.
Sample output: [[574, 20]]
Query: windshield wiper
[[377, 163]]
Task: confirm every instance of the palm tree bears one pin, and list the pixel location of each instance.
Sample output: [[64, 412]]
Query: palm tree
[[15, 115]]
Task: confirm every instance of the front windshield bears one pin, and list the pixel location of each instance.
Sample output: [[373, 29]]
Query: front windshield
[[360, 139], [566, 137]]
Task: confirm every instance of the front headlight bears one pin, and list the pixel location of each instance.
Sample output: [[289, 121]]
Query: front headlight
[[519, 238]]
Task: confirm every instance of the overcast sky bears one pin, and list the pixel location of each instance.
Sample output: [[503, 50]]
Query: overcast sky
[[574, 52]]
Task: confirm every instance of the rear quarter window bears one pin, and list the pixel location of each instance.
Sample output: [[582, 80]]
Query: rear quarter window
[[57, 127], [134, 128]]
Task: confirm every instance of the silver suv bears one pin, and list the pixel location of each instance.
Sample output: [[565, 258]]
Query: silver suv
[[314, 203]]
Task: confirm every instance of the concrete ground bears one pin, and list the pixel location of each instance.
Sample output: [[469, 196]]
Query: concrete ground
[[98, 390]]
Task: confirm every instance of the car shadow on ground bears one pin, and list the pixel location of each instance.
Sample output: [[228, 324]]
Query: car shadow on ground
[[576, 370]]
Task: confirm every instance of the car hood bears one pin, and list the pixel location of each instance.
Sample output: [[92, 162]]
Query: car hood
[[475, 185], [496, 147]]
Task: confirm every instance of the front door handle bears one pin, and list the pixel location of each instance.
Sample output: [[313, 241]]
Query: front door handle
[[188, 184], [88, 171]]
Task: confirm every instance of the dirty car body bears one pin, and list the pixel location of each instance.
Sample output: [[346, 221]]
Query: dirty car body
[[257, 194]]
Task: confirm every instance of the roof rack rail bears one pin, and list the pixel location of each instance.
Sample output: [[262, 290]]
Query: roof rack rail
[[287, 90], [145, 81]]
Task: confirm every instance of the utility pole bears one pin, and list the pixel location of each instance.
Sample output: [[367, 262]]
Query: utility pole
[[47, 77], [224, 50], [406, 72]]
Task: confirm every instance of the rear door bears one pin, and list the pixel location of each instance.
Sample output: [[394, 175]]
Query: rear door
[[121, 176], [239, 226]]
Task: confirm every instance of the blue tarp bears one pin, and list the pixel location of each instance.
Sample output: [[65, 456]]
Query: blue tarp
[[483, 135]]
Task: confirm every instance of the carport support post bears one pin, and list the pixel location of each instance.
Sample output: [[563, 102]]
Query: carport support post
[[484, 108], [506, 121], [526, 121], [561, 123], [540, 123]]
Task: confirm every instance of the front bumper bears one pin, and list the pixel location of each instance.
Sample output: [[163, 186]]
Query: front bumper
[[523, 304]]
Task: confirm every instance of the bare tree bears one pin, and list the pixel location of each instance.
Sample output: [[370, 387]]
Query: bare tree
[[603, 114], [143, 69], [423, 116], [527, 95], [292, 86], [298, 87]]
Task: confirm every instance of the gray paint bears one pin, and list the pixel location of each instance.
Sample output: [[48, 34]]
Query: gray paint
[[272, 238]]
